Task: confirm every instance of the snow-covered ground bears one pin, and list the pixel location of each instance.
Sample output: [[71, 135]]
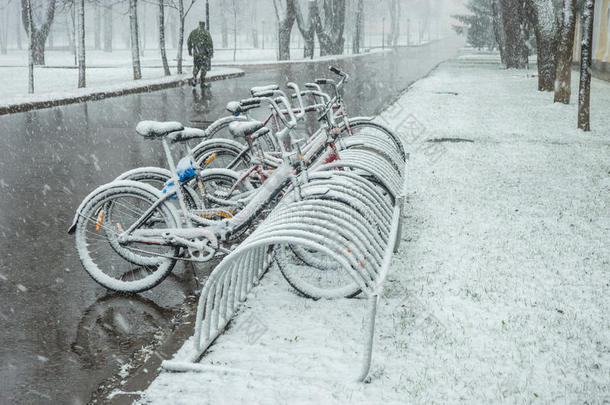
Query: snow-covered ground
[[500, 290], [122, 57], [112, 71], [54, 84]]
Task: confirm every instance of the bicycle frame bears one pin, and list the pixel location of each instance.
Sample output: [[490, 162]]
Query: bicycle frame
[[339, 110], [224, 229], [319, 150]]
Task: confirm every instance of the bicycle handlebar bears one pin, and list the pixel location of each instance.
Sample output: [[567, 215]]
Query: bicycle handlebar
[[293, 119], [323, 81], [250, 101], [297, 91], [313, 86], [266, 97], [339, 72], [264, 93]]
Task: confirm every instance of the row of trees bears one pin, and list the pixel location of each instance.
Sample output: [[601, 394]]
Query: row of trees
[[518, 27], [37, 18], [326, 21], [318, 23]]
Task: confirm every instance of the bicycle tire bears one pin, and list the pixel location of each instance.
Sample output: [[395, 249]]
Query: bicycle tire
[[158, 178], [228, 178], [219, 153], [307, 279], [155, 262], [355, 123]]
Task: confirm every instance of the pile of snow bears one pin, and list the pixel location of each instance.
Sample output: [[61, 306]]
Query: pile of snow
[[500, 290]]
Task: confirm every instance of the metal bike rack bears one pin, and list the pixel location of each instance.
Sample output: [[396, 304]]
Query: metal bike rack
[[351, 215]]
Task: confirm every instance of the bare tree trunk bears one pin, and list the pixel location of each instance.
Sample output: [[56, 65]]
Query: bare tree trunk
[[30, 29], [584, 92], [254, 27], [142, 34], [563, 74], [69, 33], [525, 34], [80, 23], [542, 17], [97, 28], [498, 29], [108, 32], [162, 38], [234, 30], [4, 30], [39, 39], [135, 44], [19, 27], [330, 34], [307, 29], [224, 26], [513, 20], [394, 22], [72, 34], [180, 34], [38, 34], [359, 31], [285, 25]]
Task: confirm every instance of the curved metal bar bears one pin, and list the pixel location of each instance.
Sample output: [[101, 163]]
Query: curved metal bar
[[339, 214]]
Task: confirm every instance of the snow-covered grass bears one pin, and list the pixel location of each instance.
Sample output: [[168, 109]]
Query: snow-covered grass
[[122, 57], [112, 72], [500, 290], [57, 83]]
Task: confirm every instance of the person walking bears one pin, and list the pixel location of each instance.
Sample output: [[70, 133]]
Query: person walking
[[201, 47]]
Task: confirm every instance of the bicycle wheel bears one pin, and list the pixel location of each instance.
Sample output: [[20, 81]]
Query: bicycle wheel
[[327, 279], [221, 154], [222, 189], [133, 267], [155, 176], [361, 126], [158, 178]]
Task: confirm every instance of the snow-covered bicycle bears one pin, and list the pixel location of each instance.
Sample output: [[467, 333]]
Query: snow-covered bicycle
[[237, 155], [144, 235], [129, 235], [247, 159]]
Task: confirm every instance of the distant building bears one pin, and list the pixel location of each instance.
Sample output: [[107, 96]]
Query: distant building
[[601, 40]]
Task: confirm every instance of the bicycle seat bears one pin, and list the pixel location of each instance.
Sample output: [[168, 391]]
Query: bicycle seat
[[156, 129], [263, 89], [236, 108], [244, 129]]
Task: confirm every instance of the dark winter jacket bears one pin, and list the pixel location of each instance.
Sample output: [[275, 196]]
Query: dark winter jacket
[[200, 43]]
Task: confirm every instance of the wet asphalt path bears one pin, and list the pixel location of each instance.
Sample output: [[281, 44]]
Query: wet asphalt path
[[62, 334]]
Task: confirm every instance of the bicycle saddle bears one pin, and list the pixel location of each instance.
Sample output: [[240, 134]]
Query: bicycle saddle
[[236, 108], [156, 129], [244, 129], [263, 89]]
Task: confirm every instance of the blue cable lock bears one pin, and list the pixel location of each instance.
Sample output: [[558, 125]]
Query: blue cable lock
[[185, 172], [185, 169]]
